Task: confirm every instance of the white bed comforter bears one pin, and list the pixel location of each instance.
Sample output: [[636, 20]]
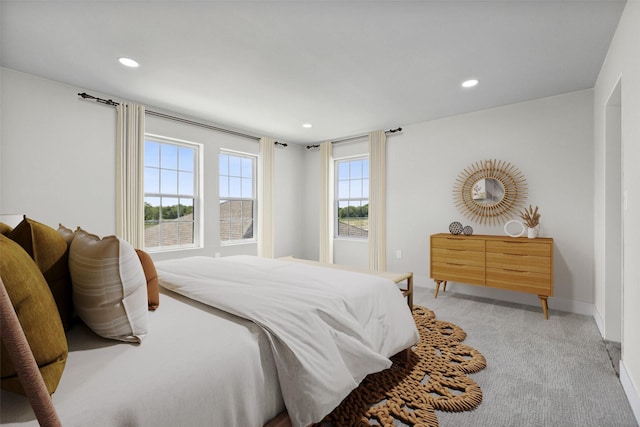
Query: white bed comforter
[[328, 328]]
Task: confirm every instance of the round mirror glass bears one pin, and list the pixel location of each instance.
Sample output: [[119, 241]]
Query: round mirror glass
[[487, 192]]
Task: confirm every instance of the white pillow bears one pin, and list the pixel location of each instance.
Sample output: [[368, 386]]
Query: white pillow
[[109, 286]]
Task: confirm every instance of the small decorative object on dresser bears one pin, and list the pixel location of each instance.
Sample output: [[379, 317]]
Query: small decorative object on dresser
[[516, 264], [516, 231], [531, 219], [467, 230], [455, 228]]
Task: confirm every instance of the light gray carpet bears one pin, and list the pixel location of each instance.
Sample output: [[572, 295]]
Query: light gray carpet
[[539, 372]]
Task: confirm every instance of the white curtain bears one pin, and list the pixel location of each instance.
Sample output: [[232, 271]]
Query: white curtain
[[377, 201], [326, 203], [266, 166], [130, 174]]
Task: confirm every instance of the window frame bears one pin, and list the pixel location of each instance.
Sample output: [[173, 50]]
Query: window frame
[[253, 199], [337, 199], [197, 193]]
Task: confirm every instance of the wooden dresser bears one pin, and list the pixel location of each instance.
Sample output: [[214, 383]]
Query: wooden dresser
[[517, 264]]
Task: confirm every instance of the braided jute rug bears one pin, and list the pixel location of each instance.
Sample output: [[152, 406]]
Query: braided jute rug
[[433, 379]]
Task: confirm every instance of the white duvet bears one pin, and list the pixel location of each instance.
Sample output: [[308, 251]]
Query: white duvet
[[328, 328]]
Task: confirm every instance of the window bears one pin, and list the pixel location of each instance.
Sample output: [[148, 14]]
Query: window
[[237, 197], [352, 198], [170, 194]]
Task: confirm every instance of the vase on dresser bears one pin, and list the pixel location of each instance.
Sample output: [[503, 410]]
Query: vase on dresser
[[532, 233]]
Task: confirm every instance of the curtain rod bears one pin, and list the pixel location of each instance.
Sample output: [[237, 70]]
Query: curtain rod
[[351, 138], [178, 119]]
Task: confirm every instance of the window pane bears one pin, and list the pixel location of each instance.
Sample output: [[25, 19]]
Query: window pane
[[169, 156], [343, 170], [343, 189], [247, 209], [365, 188], [247, 229], [168, 234], [365, 168], [169, 208], [247, 168], [355, 188], [185, 232], [235, 189], [224, 164], [185, 209], [152, 236], [168, 181], [247, 187], [186, 159], [224, 187], [356, 169], [234, 166], [151, 154], [185, 181], [151, 209], [151, 180]]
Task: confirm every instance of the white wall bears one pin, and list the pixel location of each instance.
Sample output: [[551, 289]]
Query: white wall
[[622, 64], [289, 181], [550, 140], [58, 154], [57, 163]]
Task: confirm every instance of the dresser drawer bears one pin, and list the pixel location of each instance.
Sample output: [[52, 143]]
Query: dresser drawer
[[457, 273], [523, 281], [519, 247], [457, 243], [525, 263], [458, 257]]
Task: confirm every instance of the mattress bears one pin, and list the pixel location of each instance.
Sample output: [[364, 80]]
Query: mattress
[[197, 364], [328, 327]]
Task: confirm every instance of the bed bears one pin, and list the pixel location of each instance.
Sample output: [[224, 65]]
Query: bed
[[237, 341]]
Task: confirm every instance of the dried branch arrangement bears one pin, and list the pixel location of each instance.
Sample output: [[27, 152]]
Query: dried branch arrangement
[[530, 216]]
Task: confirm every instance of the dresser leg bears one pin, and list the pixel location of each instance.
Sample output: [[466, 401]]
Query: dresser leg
[[545, 307], [444, 289]]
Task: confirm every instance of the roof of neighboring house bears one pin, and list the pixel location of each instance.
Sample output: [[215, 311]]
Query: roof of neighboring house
[[179, 231]]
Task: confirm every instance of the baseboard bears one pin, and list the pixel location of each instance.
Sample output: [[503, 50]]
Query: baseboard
[[571, 306], [555, 303], [630, 391]]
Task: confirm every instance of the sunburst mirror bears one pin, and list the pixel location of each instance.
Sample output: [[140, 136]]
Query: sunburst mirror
[[490, 191]]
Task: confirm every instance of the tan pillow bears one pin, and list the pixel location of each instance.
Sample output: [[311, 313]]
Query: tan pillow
[[150, 273], [38, 315], [50, 252], [5, 229], [66, 233], [109, 286]]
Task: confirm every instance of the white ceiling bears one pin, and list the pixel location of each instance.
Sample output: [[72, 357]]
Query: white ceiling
[[347, 67]]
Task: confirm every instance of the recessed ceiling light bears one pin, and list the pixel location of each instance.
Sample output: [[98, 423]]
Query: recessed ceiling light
[[128, 62], [469, 83], [307, 125]]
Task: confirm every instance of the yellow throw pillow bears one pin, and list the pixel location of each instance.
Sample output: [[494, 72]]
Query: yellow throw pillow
[[109, 286], [5, 229], [50, 252], [38, 315]]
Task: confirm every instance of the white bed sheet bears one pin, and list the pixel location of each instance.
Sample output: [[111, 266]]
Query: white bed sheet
[[328, 328], [198, 366]]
